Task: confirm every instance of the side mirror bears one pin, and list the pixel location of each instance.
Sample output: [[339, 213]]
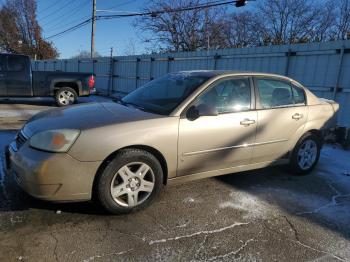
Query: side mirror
[[195, 112], [192, 113]]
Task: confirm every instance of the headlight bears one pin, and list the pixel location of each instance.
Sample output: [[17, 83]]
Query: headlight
[[54, 140]]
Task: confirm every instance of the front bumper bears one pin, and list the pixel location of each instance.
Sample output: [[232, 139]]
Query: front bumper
[[51, 176]]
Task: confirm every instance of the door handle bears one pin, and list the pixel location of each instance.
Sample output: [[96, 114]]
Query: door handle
[[297, 116], [247, 122]]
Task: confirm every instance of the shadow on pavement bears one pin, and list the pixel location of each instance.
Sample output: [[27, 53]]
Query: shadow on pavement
[[29, 101], [323, 197]]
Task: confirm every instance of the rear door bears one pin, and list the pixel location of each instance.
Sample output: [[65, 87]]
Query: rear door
[[18, 76], [2, 77], [282, 113]]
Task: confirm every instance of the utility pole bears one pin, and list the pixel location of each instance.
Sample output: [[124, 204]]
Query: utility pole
[[93, 28]]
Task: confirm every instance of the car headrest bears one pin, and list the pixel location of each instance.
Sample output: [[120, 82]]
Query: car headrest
[[281, 96]]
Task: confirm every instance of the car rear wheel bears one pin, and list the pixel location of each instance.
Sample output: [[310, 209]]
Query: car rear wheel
[[66, 96], [130, 182], [305, 154]]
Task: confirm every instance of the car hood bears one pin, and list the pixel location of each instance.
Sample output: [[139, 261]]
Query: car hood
[[85, 116]]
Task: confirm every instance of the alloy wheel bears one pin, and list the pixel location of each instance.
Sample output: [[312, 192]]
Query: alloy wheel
[[66, 97], [307, 154], [132, 184]]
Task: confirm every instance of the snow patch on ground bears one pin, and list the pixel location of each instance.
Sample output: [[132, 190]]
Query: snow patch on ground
[[332, 169], [253, 206], [191, 200], [18, 113]]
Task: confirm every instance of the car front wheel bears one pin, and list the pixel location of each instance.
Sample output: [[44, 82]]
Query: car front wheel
[[130, 182], [305, 154]]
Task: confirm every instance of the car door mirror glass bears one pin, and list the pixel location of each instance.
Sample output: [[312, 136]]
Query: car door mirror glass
[[192, 113], [195, 112]]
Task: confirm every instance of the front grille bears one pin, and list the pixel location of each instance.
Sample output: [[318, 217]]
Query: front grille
[[20, 139]]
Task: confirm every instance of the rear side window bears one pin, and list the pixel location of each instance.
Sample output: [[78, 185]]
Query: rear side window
[[16, 63], [274, 93], [298, 95]]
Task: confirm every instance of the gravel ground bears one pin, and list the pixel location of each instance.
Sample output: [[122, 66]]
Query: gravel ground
[[263, 215]]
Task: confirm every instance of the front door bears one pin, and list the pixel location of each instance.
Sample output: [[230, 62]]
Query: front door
[[282, 113], [18, 76], [2, 77], [210, 143]]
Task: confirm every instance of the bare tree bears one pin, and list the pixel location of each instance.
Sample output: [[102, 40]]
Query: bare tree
[[342, 21], [287, 21], [20, 31], [10, 39], [266, 22], [324, 23], [240, 30], [130, 47], [179, 31], [85, 55]]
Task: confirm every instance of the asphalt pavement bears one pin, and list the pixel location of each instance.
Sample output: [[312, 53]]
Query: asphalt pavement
[[263, 215]]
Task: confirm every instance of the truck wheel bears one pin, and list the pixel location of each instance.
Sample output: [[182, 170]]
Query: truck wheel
[[130, 182], [305, 155], [65, 96]]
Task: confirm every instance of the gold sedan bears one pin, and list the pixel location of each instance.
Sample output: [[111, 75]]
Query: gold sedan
[[180, 127]]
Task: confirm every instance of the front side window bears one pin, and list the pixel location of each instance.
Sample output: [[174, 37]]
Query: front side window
[[15, 63], [163, 95], [274, 93], [231, 95]]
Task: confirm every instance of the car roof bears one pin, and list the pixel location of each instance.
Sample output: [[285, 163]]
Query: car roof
[[215, 73]]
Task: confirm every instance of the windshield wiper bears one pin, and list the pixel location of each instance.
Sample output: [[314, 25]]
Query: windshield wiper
[[134, 105], [120, 101]]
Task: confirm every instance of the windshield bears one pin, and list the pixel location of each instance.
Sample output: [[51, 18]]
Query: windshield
[[163, 95]]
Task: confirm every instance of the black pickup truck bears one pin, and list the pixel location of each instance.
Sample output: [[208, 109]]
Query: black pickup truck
[[18, 80]]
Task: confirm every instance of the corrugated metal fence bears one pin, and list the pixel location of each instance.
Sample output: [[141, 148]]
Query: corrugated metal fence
[[322, 67]]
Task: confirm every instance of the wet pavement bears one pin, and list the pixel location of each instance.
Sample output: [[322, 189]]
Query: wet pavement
[[263, 215]]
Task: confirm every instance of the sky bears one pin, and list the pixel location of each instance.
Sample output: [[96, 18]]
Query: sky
[[55, 16]]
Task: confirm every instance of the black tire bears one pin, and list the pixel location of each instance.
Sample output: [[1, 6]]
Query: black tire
[[60, 92], [294, 165], [125, 157]]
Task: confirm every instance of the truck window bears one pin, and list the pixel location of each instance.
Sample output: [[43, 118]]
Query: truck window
[[16, 63]]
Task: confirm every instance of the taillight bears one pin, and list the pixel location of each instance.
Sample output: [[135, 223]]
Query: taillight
[[91, 81]]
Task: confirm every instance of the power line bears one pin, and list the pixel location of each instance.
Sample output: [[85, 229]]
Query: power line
[[110, 10], [53, 28], [56, 11], [68, 14], [49, 7], [73, 28], [153, 14], [121, 4]]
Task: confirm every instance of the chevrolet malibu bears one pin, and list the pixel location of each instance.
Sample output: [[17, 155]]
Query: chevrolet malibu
[[180, 127]]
